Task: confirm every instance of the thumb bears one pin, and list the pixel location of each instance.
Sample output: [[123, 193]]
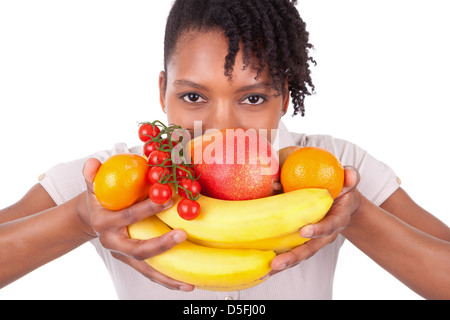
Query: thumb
[[90, 169], [351, 179]]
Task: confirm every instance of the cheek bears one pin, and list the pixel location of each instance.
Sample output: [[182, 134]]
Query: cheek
[[266, 118], [179, 115]]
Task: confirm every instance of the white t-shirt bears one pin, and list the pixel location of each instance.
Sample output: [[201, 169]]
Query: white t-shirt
[[311, 279]]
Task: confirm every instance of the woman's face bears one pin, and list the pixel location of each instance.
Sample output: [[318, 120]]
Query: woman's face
[[198, 90]]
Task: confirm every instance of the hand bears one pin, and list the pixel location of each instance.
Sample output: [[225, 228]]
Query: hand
[[277, 187], [111, 229], [326, 230]]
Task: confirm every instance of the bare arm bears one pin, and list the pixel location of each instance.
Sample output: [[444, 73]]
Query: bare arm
[[34, 231], [403, 238], [407, 241], [36, 200]]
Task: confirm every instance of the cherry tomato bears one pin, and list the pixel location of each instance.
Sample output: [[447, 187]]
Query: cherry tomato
[[149, 147], [165, 143], [191, 185], [160, 193], [153, 158], [157, 157], [146, 131], [188, 209], [157, 173], [162, 156], [183, 172]]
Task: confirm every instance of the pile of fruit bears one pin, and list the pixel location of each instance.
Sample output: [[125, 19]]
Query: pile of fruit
[[160, 142], [231, 240]]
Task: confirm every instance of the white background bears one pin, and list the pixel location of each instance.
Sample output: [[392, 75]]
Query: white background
[[76, 77]]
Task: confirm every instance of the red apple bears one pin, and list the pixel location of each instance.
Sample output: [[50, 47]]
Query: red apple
[[234, 164]]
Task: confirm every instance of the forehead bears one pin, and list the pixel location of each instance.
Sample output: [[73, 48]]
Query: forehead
[[202, 54]]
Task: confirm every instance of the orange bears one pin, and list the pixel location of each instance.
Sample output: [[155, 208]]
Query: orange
[[121, 181], [312, 167]]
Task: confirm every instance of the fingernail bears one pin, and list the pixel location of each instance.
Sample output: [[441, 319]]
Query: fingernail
[[168, 204], [185, 288], [307, 232], [281, 267], [179, 237]]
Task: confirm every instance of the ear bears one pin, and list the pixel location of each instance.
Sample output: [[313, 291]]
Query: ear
[[285, 105], [162, 90], [286, 96]]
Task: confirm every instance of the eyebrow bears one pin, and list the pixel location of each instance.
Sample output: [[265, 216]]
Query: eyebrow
[[259, 85], [187, 83], [251, 87]]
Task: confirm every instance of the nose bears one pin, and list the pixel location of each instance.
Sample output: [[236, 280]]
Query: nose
[[223, 116]]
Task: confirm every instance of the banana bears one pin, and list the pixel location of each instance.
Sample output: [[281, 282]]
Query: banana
[[235, 288], [207, 268], [279, 244], [234, 222]]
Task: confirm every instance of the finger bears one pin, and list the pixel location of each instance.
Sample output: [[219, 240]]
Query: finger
[[90, 169], [277, 187], [337, 218], [141, 249], [300, 253], [104, 220], [351, 179], [145, 269], [339, 215], [335, 221], [140, 211]]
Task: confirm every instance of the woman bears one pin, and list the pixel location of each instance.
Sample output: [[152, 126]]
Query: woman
[[234, 64]]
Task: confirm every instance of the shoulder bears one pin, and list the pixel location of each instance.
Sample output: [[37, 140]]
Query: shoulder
[[65, 180], [378, 180], [346, 151]]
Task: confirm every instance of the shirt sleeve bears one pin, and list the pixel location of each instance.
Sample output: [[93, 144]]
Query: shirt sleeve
[[65, 181], [378, 181]]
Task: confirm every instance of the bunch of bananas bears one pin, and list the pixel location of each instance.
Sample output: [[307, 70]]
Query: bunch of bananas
[[231, 244]]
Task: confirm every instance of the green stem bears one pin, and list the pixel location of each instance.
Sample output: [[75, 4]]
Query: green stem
[[166, 134]]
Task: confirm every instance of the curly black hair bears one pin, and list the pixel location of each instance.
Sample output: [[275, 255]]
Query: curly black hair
[[272, 30]]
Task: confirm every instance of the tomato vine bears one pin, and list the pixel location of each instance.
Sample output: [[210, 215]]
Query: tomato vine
[[164, 147]]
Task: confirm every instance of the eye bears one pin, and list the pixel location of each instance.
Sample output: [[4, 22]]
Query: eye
[[192, 97], [254, 100]]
